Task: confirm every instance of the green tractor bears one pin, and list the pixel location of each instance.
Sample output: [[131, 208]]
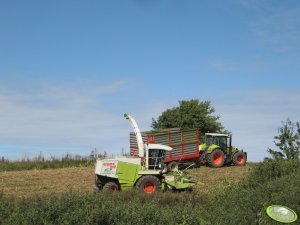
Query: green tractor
[[145, 172], [217, 151]]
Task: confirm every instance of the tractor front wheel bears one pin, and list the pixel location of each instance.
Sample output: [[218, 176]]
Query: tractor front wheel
[[148, 184], [216, 158], [239, 159], [111, 187]]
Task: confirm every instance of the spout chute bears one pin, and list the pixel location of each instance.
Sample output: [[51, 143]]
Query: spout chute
[[137, 133]]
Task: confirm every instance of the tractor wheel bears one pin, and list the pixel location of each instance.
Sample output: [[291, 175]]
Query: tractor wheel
[[216, 158], [172, 166], [148, 184], [239, 159], [111, 187]]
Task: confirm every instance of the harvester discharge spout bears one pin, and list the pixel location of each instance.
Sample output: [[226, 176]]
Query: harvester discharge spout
[[137, 133]]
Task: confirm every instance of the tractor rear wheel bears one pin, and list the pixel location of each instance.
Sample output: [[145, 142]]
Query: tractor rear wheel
[[111, 187], [148, 184], [216, 158], [239, 159]]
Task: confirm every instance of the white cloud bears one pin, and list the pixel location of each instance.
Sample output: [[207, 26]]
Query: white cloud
[[254, 117], [59, 117], [56, 120]]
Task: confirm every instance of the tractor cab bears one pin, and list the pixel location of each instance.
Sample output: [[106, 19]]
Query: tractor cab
[[222, 140]]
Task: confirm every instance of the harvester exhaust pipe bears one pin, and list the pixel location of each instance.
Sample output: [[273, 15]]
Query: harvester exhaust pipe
[[137, 133]]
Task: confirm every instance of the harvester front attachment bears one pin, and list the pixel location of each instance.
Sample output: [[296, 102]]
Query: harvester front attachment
[[178, 180]]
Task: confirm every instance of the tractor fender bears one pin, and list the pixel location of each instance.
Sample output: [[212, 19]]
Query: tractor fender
[[202, 147], [233, 150], [213, 147]]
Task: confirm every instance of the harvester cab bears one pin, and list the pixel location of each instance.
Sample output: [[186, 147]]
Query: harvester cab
[[146, 171]]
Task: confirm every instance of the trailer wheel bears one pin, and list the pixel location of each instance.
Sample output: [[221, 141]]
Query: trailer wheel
[[216, 158], [111, 187], [239, 159], [148, 184]]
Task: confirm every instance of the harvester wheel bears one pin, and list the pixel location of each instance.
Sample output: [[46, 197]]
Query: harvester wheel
[[111, 187], [216, 158], [239, 159], [148, 184]]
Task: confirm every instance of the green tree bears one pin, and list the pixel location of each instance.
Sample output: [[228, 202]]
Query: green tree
[[288, 141], [189, 114]]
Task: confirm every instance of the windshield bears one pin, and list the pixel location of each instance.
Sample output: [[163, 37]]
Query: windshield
[[216, 140], [156, 157]]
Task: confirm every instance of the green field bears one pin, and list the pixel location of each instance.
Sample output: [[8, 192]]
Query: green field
[[229, 195]]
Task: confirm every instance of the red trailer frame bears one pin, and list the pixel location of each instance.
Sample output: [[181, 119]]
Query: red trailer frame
[[185, 143]]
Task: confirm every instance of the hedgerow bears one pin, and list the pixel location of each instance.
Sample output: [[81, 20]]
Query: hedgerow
[[31, 165], [245, 203], [124, 208]]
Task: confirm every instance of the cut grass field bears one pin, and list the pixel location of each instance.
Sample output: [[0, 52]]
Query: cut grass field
[[29, 183], [229, 195]]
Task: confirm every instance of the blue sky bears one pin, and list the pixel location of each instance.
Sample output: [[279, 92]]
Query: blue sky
[[69, 70]]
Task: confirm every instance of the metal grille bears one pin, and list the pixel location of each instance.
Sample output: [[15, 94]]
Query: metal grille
[[184, 143]]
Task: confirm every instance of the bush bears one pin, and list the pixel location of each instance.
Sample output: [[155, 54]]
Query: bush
[[124, 208], [273, 169], [273, 182]]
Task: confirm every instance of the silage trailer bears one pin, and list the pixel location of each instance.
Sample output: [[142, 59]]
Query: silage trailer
[[215, 150]]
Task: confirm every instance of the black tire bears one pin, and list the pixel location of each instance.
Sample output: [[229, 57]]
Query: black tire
[[172, 166], [239, 159], [111, 187], [148, 184], [216, 158], [95, 189]]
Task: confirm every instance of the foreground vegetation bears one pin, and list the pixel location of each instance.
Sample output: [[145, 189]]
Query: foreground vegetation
[[271, 182]]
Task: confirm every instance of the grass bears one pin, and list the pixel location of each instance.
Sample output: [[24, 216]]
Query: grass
[[217, 179], [28, 183], [39, 165], [230, 195]]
